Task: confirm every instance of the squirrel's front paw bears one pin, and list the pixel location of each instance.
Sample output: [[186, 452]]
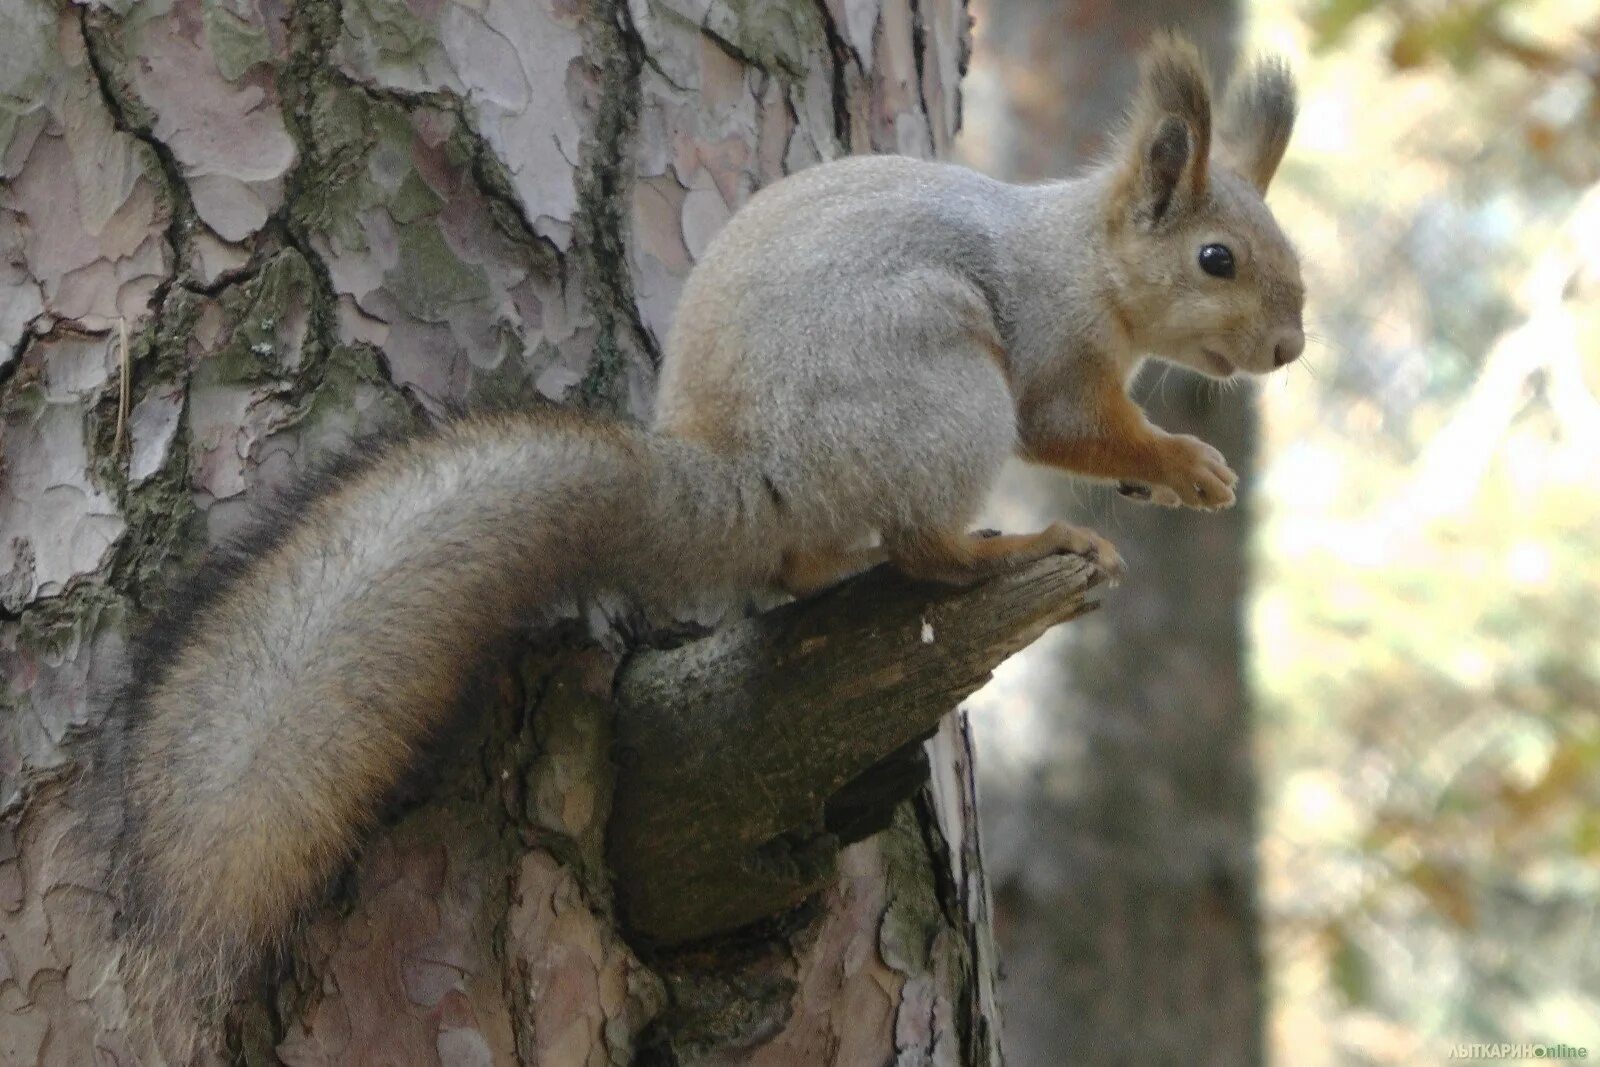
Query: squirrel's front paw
[[1193, 474]]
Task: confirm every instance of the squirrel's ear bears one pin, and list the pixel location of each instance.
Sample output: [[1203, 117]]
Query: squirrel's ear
[[1258, 119], [1168, 141]]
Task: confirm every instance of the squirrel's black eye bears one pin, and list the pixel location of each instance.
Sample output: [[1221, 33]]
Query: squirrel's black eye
[[1216, 260]]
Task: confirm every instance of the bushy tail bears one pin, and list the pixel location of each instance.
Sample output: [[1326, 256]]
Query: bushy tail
[[276, 708]]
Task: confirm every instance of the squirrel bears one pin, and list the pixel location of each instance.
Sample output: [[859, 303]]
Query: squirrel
[[853, 358]]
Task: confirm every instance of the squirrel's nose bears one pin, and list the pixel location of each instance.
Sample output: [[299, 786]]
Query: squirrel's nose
[[1290, 344]]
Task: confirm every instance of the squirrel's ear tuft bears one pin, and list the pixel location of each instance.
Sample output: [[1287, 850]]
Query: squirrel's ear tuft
[[1258, 119], [1165, 150]]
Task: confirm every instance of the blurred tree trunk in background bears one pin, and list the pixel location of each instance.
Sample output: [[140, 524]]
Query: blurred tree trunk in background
[[319, 219], [1124, 870]]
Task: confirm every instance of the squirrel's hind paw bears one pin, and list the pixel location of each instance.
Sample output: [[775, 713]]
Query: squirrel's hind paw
[[1090, 545]]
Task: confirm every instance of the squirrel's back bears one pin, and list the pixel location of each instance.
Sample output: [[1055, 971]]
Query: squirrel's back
[[853, 218], [829, 333]]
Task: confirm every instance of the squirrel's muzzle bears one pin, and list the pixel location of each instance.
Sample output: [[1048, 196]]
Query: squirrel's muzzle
[[1288, 346]]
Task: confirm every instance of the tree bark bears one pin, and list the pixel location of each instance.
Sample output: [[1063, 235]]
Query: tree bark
[[1124, 865], [321, 219]]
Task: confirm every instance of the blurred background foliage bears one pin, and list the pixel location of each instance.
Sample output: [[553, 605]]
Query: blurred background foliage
[[1426, 609], [1424, 605]]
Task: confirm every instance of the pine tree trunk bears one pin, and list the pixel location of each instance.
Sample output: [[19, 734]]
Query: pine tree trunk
[[1124, 869], [315, 220]]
